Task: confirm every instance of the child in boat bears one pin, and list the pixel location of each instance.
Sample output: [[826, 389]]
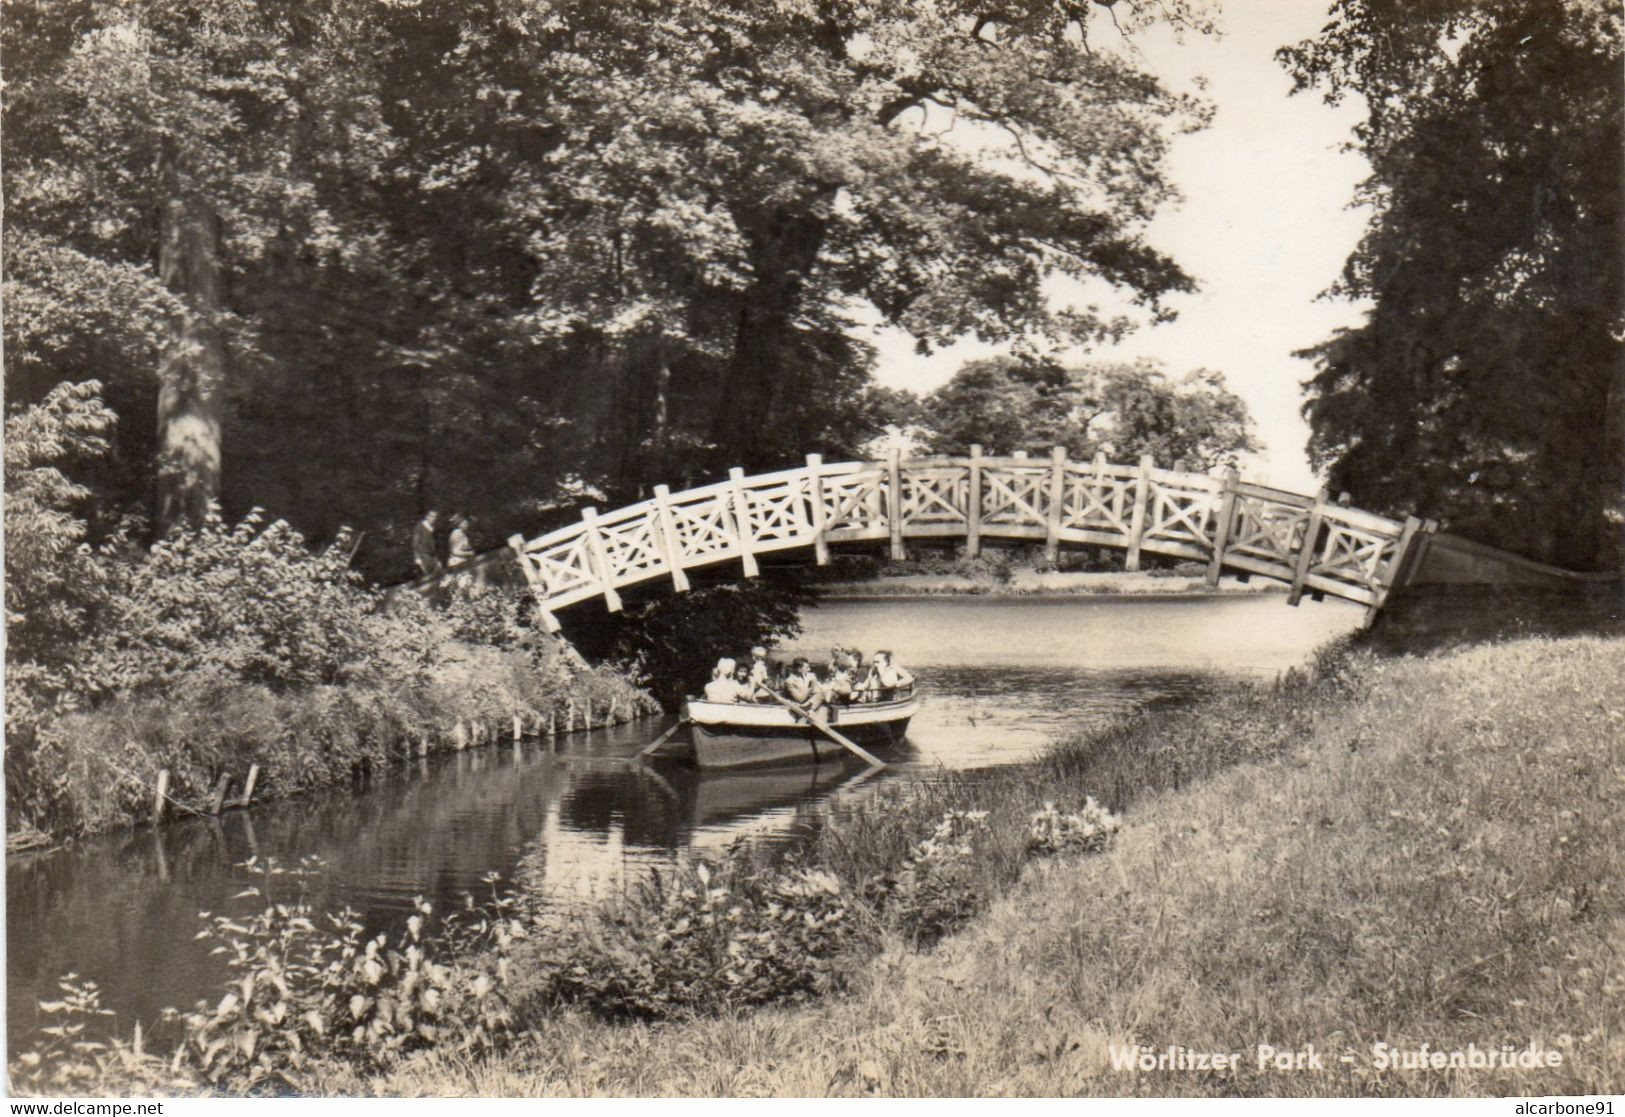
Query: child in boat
[[723, 687], [760, 675]]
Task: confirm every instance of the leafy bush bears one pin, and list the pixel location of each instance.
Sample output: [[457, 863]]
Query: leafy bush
[[248, 603], [938, 887], [1087, 830], [302, 991], [705, 938], [54, 581]]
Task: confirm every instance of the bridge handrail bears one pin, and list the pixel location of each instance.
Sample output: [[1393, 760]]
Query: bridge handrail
[[1309, 542]]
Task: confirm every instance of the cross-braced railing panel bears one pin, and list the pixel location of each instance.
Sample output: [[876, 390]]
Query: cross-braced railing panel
[[1179, 516], [1267, 535], [1098, 499], [855, 505], [1015, 496], [936, 499], [1314, 545]]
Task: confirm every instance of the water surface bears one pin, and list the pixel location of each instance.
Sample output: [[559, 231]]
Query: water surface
[[1001, 676]]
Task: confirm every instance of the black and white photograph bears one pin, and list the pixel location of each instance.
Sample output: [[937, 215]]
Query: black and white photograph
[[800, 549]]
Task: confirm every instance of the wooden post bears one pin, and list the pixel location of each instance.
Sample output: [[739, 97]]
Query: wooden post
[[820, 514], [669, 539], [1136, 530], [248, 785], [570, 715], [973, 513], [739, 511], [533, 579], [218, 803], [894, 488], [1395, 569], [1057, 500], [1307, 548], [1221, 529], [518, 728], [161, 798], [600, 560]]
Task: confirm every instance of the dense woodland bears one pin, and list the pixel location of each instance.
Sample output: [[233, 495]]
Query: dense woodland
[[1486, 387], [348, 260]]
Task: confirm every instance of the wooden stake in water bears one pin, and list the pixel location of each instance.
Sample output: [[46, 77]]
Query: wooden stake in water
[[248, 785], [161, 798], [221, 786]]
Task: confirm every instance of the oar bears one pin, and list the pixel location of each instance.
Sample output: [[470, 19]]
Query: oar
[[663, 738], [838, 738]]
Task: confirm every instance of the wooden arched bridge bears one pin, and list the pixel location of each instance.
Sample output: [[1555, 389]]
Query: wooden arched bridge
[[1312, 544]]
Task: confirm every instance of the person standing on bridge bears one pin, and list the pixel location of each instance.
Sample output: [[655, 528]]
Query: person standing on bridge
[[423, 547]]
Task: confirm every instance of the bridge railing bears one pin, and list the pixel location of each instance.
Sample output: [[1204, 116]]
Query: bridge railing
[[1312, 544]]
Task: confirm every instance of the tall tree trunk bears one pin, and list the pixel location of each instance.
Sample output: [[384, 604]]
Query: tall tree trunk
[[785, 253], [192, 370]]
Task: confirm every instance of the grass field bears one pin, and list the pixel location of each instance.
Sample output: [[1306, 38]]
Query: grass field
[[1426, 851]]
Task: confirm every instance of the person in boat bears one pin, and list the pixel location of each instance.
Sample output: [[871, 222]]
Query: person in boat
[[760, 674], [749, 689], [723, 687], [886, 677], [802, 687], [839, 688]]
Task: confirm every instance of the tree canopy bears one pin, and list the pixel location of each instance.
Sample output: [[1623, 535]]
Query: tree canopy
[[1123, 410], [363, 258], [1486, 387]]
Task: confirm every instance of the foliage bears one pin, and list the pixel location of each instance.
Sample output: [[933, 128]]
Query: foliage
[[1089, 829], [53, 580], [626, 253], [670, 642], [1006, 404], [302, 991], [246, 603], [1486, 387], [937, 888], [74, 1057], [704, 938]]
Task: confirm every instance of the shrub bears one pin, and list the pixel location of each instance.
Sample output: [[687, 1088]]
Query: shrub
[[302, 991], [54, 581], [938, 886], [1087, 830], [704, 938], [247, 603]]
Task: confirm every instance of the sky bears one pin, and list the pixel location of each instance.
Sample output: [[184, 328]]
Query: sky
[[1264, 228]]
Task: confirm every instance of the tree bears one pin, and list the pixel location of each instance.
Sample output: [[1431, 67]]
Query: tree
[[361, 259], [1486, 387], [1123, 410]]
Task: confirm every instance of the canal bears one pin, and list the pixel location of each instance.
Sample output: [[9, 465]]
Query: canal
[[1002, 676]]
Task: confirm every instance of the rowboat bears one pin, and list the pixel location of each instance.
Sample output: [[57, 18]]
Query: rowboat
[[742, 734]]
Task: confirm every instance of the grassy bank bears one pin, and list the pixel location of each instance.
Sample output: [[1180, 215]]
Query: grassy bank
[[97, 769], [1407, 852]]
